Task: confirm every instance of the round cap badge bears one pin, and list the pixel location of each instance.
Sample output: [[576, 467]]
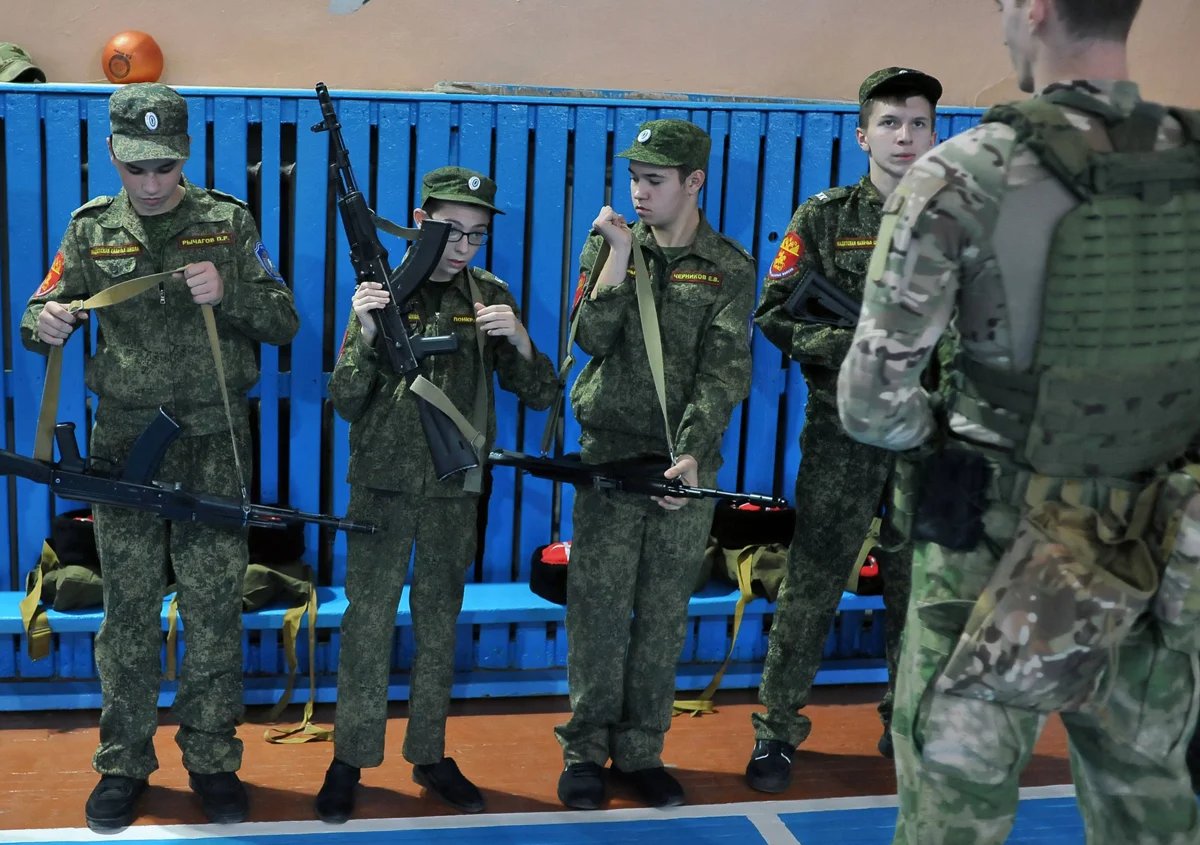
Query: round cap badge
[[473, 183], [643, 136], [151, 121]]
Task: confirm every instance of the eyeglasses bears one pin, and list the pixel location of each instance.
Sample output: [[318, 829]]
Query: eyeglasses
[[473, 238]]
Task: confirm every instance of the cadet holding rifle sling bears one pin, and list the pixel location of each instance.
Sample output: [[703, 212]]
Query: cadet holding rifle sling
[[400, 479], [809, 308]]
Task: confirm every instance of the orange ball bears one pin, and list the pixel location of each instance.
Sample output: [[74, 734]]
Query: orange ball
[[132, 56]]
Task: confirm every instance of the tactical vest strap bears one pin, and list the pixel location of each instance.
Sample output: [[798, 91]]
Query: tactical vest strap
[[1044, 128]]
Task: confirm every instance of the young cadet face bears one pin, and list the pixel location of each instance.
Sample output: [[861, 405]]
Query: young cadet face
[[467, 222], [897, 134], [153, 186], [660, 198]]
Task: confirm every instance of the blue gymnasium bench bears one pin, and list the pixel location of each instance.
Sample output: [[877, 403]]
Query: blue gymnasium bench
[[553, 157]]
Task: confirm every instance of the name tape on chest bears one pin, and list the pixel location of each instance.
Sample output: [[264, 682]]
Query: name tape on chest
[[854, 243], [201, 241], [696, 277], [100, 251]]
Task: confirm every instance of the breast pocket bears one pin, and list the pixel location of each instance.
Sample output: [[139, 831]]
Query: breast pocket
[[116, 268], [852, 268]]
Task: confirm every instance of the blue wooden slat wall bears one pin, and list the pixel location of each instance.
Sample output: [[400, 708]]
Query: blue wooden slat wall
[[555, 162]]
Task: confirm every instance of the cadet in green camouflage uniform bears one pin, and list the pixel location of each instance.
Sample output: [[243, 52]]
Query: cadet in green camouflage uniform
[[841, 482], [632, 556], [153, 351], [1072, 584], [393, 484]]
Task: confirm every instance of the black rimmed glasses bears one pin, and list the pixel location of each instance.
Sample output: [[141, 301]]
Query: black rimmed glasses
[[473, 238]]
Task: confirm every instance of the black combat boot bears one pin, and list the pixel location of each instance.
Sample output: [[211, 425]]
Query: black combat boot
[[113, 803], [222, 796], [445, 781], [335, 801], [581, 786], [655, 786], [770, 766]]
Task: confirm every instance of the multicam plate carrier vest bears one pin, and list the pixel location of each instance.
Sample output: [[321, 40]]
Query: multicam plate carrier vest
[[1115, 384]]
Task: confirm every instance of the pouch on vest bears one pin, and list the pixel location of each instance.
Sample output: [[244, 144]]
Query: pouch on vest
[[1044, 632], [1177, 521], [949, 507]]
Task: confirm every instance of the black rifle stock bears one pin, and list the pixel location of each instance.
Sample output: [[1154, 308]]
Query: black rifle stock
[[817, 300], [70, 478], [643, 476], [403, 345]]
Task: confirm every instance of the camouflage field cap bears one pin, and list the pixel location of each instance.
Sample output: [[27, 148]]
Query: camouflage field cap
[[149, 121], [459, 184], [17, 66], [670, 143], [897, 80]]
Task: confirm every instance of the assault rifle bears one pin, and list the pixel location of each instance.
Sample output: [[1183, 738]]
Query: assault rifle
[[134, 487], [403, 345], [816, 300], [642, 475]]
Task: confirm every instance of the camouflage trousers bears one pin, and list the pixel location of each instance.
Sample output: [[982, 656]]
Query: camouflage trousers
[[209, 565], [837, 494], [633, 568], [444, 533], [958, 759]]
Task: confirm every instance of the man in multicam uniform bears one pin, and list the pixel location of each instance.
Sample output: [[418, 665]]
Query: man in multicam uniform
[[839, 486], [633, 556], [1066, 410], [393, 484], [153, 351]]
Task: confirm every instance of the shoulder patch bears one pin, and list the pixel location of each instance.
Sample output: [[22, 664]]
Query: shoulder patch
[[224, 197], [791, 250], [95, 202], [52, 278], [264, 259]]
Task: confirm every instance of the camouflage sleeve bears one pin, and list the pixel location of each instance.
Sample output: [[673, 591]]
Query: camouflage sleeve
[[534, 382], [356, 374], [601, 318], [808, 343], [64, 282], [722, 372], [258, 303], [910, 292]]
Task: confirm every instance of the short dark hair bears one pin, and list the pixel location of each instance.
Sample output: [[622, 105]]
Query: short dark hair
[[894, 98], [434, 205], [1106, 20]]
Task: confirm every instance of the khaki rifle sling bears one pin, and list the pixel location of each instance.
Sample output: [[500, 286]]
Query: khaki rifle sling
[[471, 429], [33, 615], [651, 337], [43, 444], [703, 703]]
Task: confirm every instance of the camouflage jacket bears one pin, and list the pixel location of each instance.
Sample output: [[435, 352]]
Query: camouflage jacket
[[152, 350], [832, 233], [387, 444], [703, 298], [935, 261]]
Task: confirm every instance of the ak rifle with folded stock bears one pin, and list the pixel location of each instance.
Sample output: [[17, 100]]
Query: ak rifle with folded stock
[[642, 476], [817, 300], [401, 343], [135, 486]]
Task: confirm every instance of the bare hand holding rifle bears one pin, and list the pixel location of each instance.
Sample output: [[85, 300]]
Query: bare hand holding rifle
[[402, 344], [644, 476]]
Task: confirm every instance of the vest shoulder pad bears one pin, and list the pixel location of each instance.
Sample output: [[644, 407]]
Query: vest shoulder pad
[[1190, 120], [1043, 128], [96, 202]]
